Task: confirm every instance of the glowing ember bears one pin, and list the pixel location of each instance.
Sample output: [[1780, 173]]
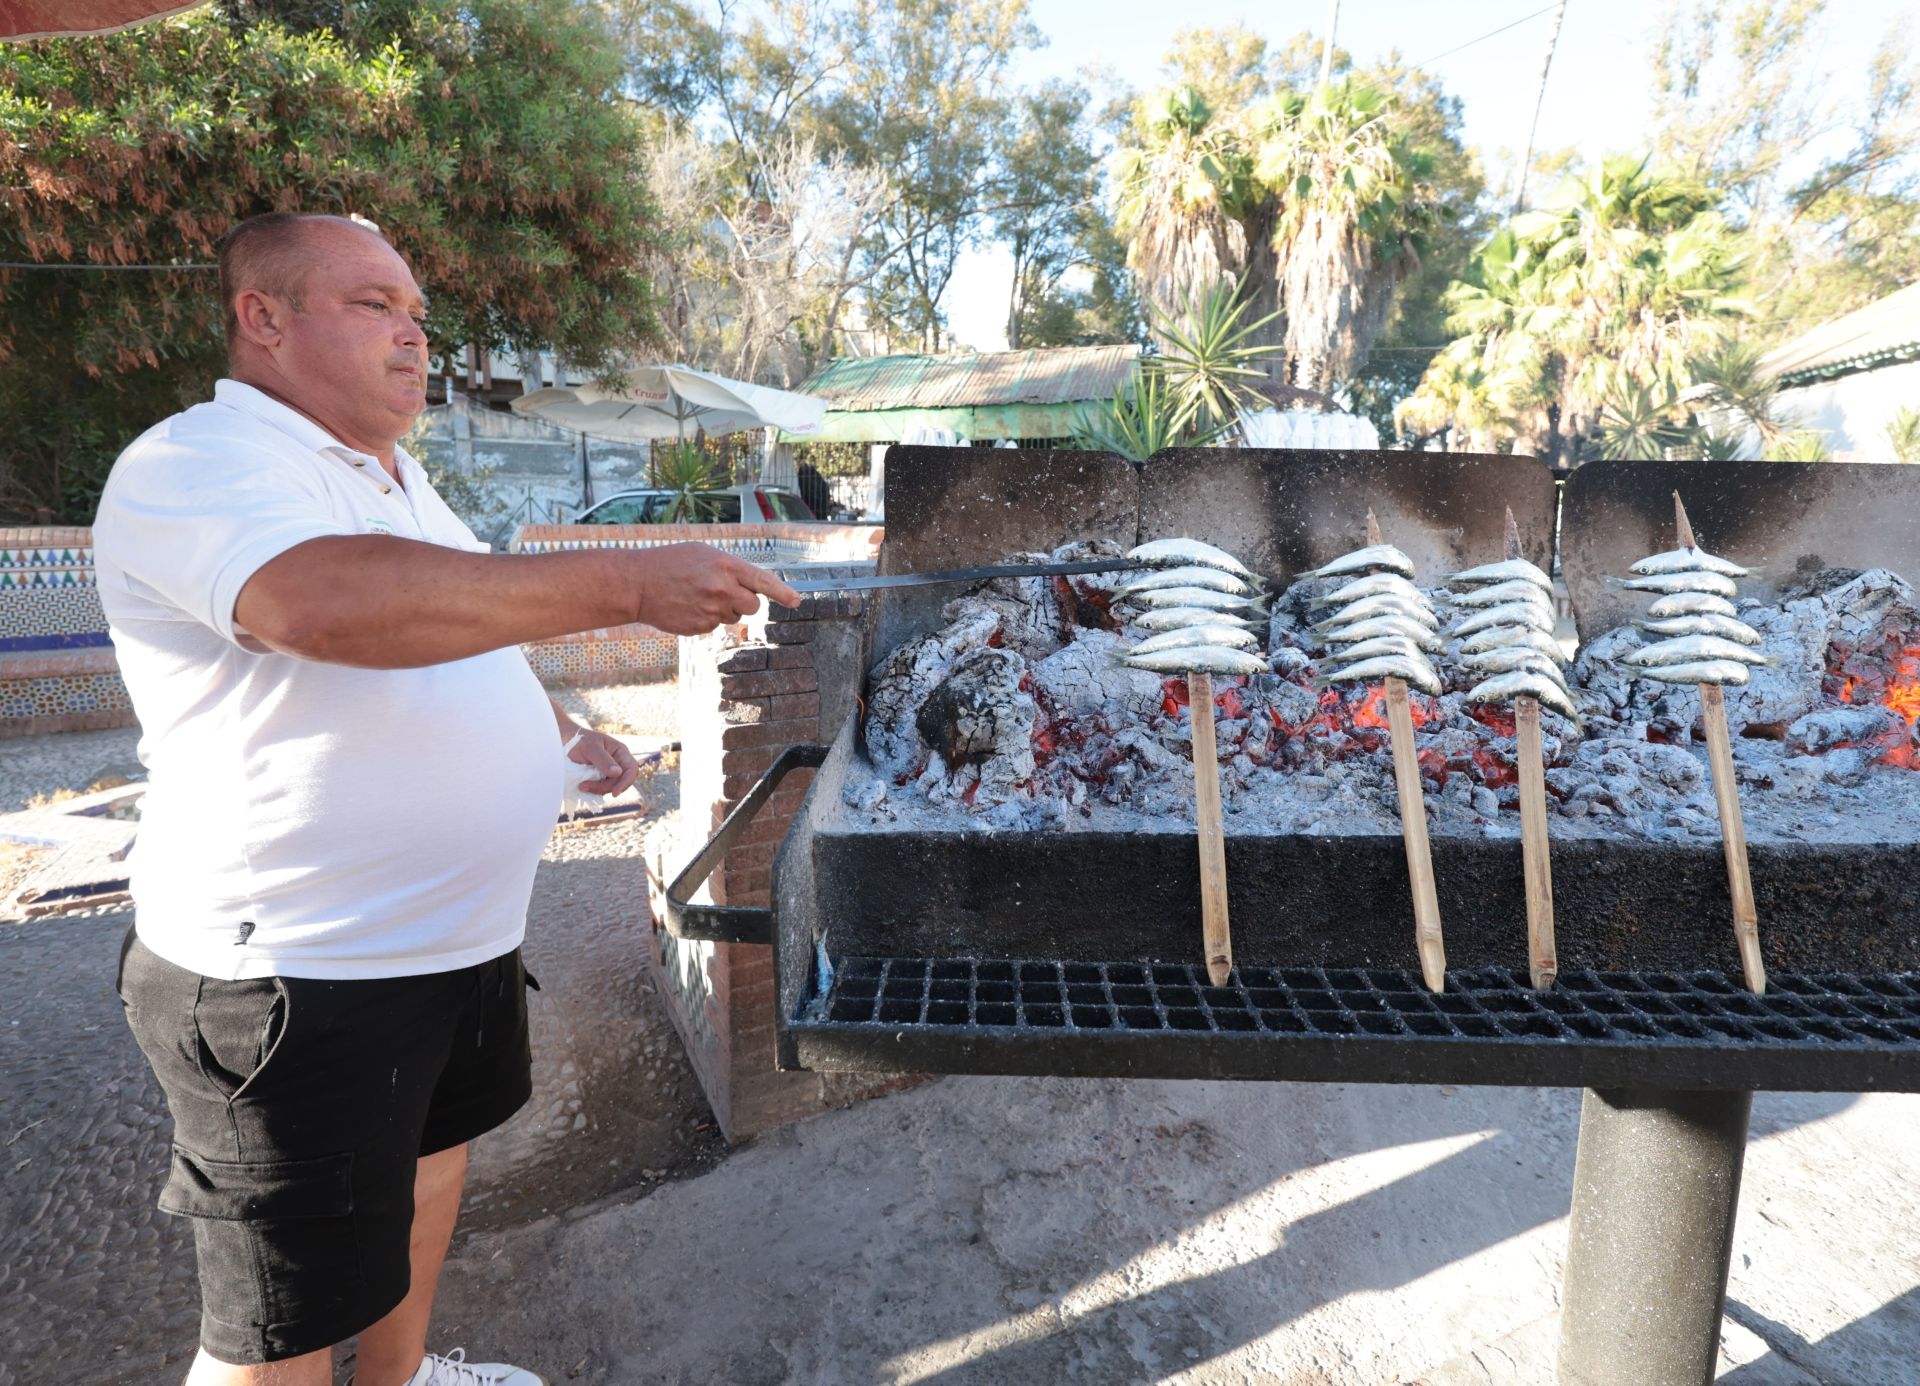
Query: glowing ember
[[1898, 688]]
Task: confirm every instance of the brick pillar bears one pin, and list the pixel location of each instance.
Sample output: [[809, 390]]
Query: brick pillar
[[746, 693]]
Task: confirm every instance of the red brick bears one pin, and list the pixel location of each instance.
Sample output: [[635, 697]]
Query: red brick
[[769, 733], [744, 661], [769, 683], [749, 887], [768, 825], [742, 767], [789, 657], [790, 632], [750, 854], [745, 711], [795, 705]]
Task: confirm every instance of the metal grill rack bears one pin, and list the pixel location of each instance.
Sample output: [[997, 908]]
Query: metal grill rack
[[1693, 1030]]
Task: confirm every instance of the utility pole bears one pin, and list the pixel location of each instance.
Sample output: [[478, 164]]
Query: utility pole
[[1326, 49], [1553, 38]]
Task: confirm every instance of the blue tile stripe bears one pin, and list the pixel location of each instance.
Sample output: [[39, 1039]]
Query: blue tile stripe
[[84, 640]]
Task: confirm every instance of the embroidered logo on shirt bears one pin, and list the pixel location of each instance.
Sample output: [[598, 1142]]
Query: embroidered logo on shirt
[[376, 526]]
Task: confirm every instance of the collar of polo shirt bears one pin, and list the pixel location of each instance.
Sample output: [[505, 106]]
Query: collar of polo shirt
[[250, 399]]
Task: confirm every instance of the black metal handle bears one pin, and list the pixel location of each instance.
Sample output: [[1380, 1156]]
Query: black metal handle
[[732, 923]]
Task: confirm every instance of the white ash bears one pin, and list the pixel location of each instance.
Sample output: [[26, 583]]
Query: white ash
[[1015, 716]]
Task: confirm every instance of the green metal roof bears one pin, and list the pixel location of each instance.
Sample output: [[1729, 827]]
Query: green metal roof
[[1024, 391], [1886, 332]]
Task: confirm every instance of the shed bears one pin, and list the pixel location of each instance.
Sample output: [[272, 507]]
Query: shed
[[983, 396], [1847, 378]]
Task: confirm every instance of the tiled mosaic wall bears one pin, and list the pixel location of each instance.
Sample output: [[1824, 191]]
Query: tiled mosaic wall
[[77, 702], [586, 663], [56, 660]]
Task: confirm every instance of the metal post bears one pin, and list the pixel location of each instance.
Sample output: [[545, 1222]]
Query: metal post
[[1656, 1184]]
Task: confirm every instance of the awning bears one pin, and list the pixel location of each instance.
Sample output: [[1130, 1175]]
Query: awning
[[673, 401], [31, 19]]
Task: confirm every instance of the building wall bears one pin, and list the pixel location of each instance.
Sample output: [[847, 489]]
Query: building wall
[[1854, 411]]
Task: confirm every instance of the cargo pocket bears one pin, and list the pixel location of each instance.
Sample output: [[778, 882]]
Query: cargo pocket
[[258, 1190], [278, 1249]]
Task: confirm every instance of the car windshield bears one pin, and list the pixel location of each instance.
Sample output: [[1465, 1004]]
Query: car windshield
[[789, 507], [622, 510]]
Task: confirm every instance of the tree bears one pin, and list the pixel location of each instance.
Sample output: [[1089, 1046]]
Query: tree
[[1183, 194], [479, 135], [924, 98], [1823, 174], [1325, 198], [1048, 191], [1616, 286], [1352, 199]]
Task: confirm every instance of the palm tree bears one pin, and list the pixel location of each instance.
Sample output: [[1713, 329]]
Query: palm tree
[[1178, 195], [1351, 199], [1620, 282]]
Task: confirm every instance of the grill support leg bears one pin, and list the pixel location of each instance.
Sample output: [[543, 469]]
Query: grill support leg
[[1656, 1184]]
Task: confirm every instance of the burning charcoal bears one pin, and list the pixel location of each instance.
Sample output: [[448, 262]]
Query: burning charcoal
[[979, 714], [1837, 726], [1849, 766], [902, 681], [1084, 678]]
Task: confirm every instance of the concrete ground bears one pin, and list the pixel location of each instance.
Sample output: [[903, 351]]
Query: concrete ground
[[972, 1230], [983, 1230]]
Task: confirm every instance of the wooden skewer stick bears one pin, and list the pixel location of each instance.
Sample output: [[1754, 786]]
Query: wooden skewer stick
[[1733, 832], [1215, 931], [1413, 823], [1543, 959]]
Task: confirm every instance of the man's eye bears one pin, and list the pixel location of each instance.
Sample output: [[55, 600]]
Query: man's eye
[[373, 303]]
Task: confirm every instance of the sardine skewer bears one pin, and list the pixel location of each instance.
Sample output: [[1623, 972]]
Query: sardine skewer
[[1216, 935], [1536, 853], [1413, 822], [1733, 832]]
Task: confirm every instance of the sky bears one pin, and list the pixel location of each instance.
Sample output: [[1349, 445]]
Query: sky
[[1597, 92]]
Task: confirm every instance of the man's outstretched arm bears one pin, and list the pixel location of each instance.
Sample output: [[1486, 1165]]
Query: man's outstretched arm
[[378, 602]]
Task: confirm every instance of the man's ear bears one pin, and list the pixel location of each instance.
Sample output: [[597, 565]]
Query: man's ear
[[260, 316]]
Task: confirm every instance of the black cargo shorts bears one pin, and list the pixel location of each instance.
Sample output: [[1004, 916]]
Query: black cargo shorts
[[300, 1108]]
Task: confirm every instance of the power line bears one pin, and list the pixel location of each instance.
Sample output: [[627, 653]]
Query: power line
[[44, 265], [1484, 37]]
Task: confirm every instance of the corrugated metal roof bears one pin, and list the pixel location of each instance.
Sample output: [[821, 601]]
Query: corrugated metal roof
[[1886, 330], [1042, 375]]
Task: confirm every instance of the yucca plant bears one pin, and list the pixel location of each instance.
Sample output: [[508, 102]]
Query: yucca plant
[[1801, 445], [685, 470], [1143, 418], [1208, 354], [1641, 423], [1903, 435]]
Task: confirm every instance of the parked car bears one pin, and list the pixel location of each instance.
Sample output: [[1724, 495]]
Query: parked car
[[735, 505]]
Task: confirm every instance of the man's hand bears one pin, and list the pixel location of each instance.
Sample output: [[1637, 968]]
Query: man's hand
[[689, 589], [610, 756]]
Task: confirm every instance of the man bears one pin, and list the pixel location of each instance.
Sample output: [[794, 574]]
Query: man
[[353, 772]]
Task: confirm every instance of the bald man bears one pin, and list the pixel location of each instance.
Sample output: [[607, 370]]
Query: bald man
[[353, 772]]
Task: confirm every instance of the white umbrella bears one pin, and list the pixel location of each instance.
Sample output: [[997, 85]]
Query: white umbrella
[[671, 402]]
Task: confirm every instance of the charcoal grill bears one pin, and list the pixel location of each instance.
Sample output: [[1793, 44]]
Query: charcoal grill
[[1078, 953]]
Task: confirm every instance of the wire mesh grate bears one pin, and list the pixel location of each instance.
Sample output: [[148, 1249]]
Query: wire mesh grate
[[1708, 1009]]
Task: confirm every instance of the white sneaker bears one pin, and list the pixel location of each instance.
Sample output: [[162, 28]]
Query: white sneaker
[[455, 1370]]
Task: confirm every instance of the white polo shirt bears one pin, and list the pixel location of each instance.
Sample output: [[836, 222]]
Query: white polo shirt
[[306, 819]]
